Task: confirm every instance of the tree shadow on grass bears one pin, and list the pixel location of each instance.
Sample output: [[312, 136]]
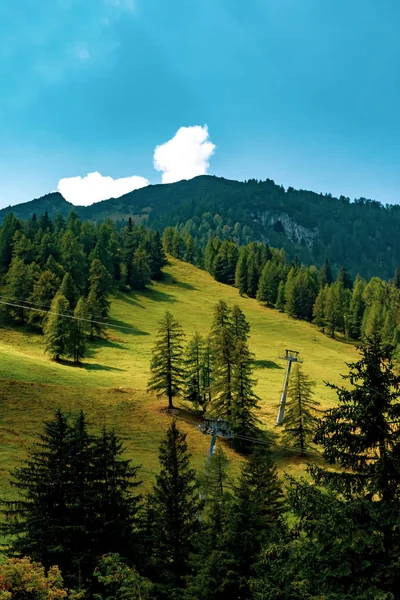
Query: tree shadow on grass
[[128, 297], [124, 328], [266, 364], [98, 367], [184, 285]]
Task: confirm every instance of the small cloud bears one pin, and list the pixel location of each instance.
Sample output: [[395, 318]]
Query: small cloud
[[94, 187], [186, 155]]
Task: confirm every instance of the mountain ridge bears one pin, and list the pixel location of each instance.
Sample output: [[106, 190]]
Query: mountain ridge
[[362, 234]]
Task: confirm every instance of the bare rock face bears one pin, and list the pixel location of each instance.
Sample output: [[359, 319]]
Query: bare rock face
[[282, 223]]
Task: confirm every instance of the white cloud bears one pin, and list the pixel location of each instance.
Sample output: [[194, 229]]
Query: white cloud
[[94, 187], [186, 155]]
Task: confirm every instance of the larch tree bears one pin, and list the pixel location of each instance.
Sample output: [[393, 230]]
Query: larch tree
[[194, 391], [223, 346], [57, 328], [301, 418], [167, 370]]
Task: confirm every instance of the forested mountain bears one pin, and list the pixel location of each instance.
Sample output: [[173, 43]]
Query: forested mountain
[[363, 235]]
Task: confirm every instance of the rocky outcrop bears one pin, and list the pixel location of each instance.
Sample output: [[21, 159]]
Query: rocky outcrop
[[281, 222]]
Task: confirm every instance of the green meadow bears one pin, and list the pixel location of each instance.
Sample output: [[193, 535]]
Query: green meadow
[[111, 384]]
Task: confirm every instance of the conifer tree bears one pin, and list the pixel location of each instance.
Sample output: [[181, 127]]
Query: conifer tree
[[190, 249], [141, 271], [177, 509], [356, 310], [44, 290], [157, 258], [100, 284], [244, 400], [256, 518], [19, 283], [223, 346], [344, 277], [241, 274], [319, 308], [77, 500], [301, 418], [57, 328], [77, 335], [280, 299], [69, 291], [326, 277], [396, 278], [94, 314], [253, 276], [210, 254], [240, 325], [178, 245], [166, 364], [7, 231], [358, 435], [207, 371], [193, 388]]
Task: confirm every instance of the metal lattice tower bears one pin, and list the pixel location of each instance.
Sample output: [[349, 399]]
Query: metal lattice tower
[[291, 356]]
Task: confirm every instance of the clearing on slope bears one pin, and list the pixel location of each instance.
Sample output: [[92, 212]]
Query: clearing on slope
[[111, 384]]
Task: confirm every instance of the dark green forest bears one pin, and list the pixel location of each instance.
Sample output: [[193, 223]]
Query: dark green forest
[[362, 234]]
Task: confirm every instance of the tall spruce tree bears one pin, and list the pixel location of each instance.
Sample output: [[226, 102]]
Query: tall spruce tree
[[19, 284], [177, 509], [255, 521], [166, 366], [325, 274], [240, 325], [77, 500], [301, 418]]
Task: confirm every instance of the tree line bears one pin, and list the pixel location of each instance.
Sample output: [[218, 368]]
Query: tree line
[[336, 305], [58, 275], [87, 527]]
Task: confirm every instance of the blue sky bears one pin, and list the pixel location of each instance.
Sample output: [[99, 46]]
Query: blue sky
[[305, 92]]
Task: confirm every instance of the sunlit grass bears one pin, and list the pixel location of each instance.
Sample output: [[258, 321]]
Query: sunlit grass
[[111, 385]]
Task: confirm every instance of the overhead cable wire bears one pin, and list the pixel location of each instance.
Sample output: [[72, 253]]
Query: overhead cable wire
[[51, 312]]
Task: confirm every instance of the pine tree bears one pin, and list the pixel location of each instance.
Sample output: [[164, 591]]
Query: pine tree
[[256, 519], [167, 360], [141, 271], [9, 227], [320, 308], [344, 277], [178, 245], [366, 444], [69, 291], [100, 284], [223, 346], [44, 290], [241, 274], [356, 310], [325, 274], [77, 500], [57, 328], [94, 314], [37, 520], [77, 336], [157, 258], [210, 254], [190, 249], [206, 374], [253, 276], [280, 299], [193, 388], [177, 509], [396, 278], [244, 400], [301, 418], [240, 325], [19, 283], [73, 258], [167, 239]]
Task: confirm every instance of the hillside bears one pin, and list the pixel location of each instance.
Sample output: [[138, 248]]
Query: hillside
[[111, 385], [363, 235]]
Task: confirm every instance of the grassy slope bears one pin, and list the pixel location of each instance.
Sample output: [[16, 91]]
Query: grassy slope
[[32, 386]]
